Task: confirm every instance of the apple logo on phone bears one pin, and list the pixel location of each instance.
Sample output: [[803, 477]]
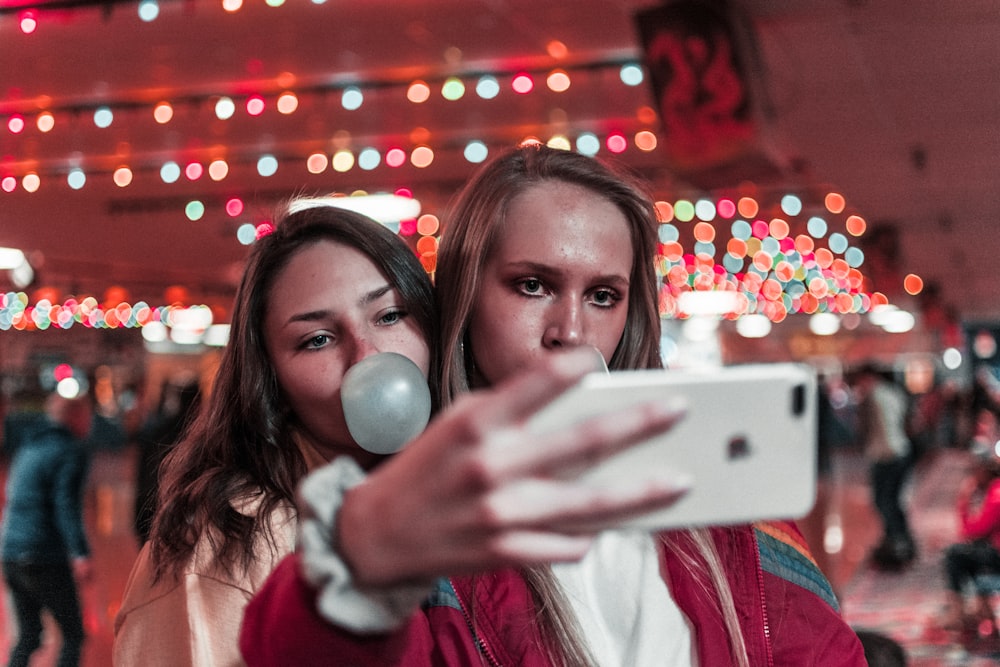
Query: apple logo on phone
[[739, 448]]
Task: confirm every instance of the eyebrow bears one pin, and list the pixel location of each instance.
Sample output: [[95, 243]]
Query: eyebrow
[[366, 299], [547, 270]]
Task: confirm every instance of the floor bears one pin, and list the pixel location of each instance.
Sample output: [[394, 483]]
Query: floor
[[901, 605]]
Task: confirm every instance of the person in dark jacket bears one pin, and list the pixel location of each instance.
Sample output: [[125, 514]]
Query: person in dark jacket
[[43, 543]]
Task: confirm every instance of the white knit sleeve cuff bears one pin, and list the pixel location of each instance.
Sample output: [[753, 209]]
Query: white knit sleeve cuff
[[364, 611]]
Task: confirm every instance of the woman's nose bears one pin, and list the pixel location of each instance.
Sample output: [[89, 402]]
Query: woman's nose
[[362, 347], [565, 326]]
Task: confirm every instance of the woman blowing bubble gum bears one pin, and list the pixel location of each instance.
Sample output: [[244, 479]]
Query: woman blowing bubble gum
[[322, 292], [467, 548]]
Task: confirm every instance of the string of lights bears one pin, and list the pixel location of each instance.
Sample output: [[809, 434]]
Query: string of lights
[[19, 169], [31, 12], [781, 257], [772, 258]]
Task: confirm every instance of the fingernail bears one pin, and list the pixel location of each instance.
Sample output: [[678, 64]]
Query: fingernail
[[675, 482], [672, 406]]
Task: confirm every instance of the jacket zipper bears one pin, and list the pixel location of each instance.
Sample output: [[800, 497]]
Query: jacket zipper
[[480, 643], [763, 599]]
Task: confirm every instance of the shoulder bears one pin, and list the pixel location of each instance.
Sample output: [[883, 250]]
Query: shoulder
[[200, 585], [140, 591], [192, 619], [202, 570], [785, 554], [282, 526], [281, 523], [802, 611]]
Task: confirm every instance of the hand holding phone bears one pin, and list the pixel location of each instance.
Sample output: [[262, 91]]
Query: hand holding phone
[[748, 442]]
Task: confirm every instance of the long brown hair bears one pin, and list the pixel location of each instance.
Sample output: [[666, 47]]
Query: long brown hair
[[472, 228], [241, 445]]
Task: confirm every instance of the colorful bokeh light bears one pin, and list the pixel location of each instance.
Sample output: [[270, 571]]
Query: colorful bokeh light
[[522, 84], [418, 92], [785, 261]]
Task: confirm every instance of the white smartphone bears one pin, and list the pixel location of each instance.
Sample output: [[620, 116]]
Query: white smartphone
[[748, 440]]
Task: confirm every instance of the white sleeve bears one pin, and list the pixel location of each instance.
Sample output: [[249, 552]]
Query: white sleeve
[[321, 494]]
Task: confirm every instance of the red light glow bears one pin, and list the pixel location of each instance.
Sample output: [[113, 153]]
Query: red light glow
[[263, 229], [855, 225], [255, 105], [46, 121], [556, 49], [418, 92], [834, 202], [522, 84], [616, 142], [558, 81], [122, 177], [664, 211], [747, 206], [395, 157], [426, 244], [288, 103], [778, 228], [645, 140], [726, 208], [428, 224], [913, 284], [163, 112], [28, 22]]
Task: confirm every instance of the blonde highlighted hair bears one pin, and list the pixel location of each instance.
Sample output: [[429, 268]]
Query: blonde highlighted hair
[[472, 228]]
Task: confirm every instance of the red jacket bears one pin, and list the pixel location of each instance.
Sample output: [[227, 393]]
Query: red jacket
[[785, 605], [982, 521]]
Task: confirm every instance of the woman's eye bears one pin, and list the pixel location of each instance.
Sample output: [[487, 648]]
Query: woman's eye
[[392, 317], [605, 297], [531, 285], [317, 341]]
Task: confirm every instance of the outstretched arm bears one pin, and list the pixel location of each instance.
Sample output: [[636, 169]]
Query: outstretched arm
[[479, 489], [476, 491]]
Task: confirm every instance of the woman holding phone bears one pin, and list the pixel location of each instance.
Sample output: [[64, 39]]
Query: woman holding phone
[[483, 556]]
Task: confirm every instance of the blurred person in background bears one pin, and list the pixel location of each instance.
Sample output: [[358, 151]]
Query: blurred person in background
[[978, 553], [178, 404], [45, 551], [883, 406], [832, 434], [24, 410]]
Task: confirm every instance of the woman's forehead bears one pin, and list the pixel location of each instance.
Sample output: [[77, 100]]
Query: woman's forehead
[[562, 223], [326, 266]]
